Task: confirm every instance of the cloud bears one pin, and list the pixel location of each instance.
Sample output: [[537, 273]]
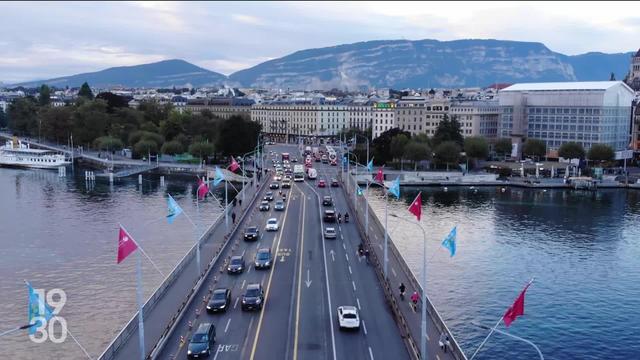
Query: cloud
[[247, 19]]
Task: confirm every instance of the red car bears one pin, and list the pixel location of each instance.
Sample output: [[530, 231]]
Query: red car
[[321, 183]]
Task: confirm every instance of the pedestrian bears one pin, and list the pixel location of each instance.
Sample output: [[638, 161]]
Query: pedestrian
[[444, 342], [233, 217], [240, 202], [234, 201]]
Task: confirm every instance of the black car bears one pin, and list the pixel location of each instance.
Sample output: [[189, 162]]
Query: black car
[[202, 341], [268, 196], [236, 265], [329, 216], [220, 300], [327, 201], [334, 183], [263, 259], [274, 185], [253, 297], [294, 160], [252, 233]]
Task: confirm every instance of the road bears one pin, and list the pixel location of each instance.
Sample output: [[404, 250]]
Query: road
[[310, 278]]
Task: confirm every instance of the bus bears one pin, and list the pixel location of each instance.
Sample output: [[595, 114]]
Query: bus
[[298, 173], [307, 150], [285, 156]]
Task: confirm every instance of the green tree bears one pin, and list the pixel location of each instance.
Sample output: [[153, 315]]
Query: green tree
[[113, 101], [381, 145], [23, 116], [3, 119], [85, 91], [237, 135], [417, 151], [173, 125], [202, 149], [56, 123], [124, 122], [155, 112], [108, 143], [448, 130], [447, 152], [44, 95], [476, 147], [144, 147], [571, 150], [398, 144], [172, 147], [90, 121], [422, 138], [503, 146], [535, 148], [601, 152]]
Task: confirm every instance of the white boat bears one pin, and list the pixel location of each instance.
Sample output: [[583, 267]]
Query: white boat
[[16, 154]]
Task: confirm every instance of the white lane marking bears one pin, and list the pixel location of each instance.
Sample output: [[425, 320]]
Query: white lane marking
[[243, 251], [380, 246], [394, 272], [428, 338], [236, 304], [364, 327], [340, 228], [249, 270], [341, 237], [437, 357], [217, 352], [344, 246], [358, 301], [371, 353], [350, 272], [242, 287], [347, 256], [258, 244], [354, 285], [227, 327]]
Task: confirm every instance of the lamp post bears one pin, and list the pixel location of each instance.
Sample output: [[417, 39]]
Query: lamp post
[[423, 335]]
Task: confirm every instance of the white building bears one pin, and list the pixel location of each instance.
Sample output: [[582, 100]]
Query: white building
[[300, 119], [383, 117], [477, 118], [589, 113]]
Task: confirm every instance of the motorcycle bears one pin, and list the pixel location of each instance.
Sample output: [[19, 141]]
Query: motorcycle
[[346, 218]]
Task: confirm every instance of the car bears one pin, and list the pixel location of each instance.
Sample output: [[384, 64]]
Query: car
[[268, 196], [252, 233], [295, 160], [321, 183], [253, 297], [329, 216], [334, 183], [264, 205], [277, 178], [220, 300], [274, 185], [263, 259], [279, 206], [317, 159], [330, 233], [272, 225], [202, 341], [348, 317], [327, 201], [286, 184], [236, 265]]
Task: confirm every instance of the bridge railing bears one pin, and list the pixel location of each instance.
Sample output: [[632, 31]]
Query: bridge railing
[[414, 343]]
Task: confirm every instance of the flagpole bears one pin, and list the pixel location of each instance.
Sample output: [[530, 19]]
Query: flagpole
[[142, 251], [355, 176], [493, 329], [226, 205], [386, 232], [195, 227], [139, 296]]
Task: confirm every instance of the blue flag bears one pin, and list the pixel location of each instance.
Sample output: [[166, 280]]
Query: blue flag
[[219, 177], [395, 187], [39, 311], [449, 242], [174, 209], [370, 165], [344, 160], [359, 191]]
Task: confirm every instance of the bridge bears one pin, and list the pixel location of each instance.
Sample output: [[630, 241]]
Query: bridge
[[310, 277]]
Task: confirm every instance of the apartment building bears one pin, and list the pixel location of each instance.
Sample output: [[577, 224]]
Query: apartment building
[[383, 117], [419, 115], [477, 118], [300, 119], [221, 107]]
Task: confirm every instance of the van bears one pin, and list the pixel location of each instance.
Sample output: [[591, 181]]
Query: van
[[202, 341], [312, 174]]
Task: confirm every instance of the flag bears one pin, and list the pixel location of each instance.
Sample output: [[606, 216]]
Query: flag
[[359, 191], [38, 310], [370, 165], [203, 189], [379, 176], [450, 241], [515, 310], [416, 206], [395, 187], [234, 164], [219, 176], [126, 245], [174, 209], [344, 160]]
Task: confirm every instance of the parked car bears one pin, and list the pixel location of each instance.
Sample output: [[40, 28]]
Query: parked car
[[321, 183], [348, 317], [253, 297], [264, 205], [263, 259], [202, 341], [279, 206], [236, 265], [252, 233], [327, 201], [334, 183], [220, 300], [330, 233], [272, 225], [329, 216]]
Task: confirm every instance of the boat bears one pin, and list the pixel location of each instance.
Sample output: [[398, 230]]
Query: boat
[[15, 153]]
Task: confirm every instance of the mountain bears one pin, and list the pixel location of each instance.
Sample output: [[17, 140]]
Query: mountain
[[167, 73], [429, 63]]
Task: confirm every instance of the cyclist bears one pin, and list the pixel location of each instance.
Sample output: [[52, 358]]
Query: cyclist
[[339, 218], [414, 299], [402, 289]]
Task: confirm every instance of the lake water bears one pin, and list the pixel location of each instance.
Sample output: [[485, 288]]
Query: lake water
[[60, 233], [583, 249]]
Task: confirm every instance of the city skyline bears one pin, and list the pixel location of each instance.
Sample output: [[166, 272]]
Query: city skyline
[[58, 40]]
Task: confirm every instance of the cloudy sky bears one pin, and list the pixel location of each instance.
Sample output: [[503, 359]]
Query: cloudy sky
[[43, 40]]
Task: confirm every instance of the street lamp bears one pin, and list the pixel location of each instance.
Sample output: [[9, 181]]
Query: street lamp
[[512, 336], [423, 335]]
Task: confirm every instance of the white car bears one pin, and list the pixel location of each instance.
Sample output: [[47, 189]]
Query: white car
[[272, 224], [348, 317], [330, 233]]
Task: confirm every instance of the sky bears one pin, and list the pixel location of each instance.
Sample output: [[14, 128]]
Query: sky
[[44, 40]]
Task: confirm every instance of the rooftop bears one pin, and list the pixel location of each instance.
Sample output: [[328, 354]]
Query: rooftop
[[550, 86]]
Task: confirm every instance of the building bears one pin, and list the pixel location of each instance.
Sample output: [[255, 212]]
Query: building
[[477, 118], [383, 115], [419, 115], [288, 119], [223, 108], [589, 113], [633, 78], [635, 128]]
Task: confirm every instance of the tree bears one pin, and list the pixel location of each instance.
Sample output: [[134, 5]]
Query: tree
[[571, 150], [85, 91], [382, 145], [90, 121], [601, 152], [173, 125], [108, 143], [173, 147], [144, 147], [201, 149], [447, 153], [534, 147], [44, 95], [448, 130], [476, 147], [23, 116], [398, 144], [155, 112], [237, 135], [503, 146], [113, 101], [422, 138], [417, 151], [57, 123], [3, 119]]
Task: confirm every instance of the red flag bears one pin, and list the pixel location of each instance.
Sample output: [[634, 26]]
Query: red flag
[[203, 189], [515, 310], [416, 206], [126, 245], [379, 176], [234, 165]]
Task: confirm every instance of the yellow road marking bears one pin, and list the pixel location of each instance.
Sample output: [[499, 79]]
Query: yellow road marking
[[295, 339]]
